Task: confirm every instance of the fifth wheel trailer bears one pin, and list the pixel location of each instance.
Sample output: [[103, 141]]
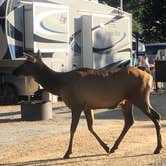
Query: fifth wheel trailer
[[69, 34]]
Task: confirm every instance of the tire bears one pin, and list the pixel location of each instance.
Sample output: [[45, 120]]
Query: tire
[[8, 94]]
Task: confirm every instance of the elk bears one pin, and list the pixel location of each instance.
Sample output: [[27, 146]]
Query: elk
[[86, 89]]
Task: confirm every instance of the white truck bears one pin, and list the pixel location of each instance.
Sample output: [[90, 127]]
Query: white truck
[[69, 34]]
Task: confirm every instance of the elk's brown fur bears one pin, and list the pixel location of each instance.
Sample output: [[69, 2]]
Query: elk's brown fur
[[86, 89]]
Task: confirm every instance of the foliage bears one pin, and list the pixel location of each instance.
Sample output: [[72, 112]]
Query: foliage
[[154, 20]]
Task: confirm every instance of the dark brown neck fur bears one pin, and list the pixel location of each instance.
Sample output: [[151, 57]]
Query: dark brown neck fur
[[50, 80]]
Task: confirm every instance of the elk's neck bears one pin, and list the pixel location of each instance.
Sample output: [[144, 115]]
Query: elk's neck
[[50, 80]]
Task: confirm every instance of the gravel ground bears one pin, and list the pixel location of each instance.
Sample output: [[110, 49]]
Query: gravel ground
[[44, 142]]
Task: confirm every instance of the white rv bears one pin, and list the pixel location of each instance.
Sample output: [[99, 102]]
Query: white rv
[[70, 34]]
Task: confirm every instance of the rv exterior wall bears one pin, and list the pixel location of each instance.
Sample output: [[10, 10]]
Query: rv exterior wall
[[76, 9]]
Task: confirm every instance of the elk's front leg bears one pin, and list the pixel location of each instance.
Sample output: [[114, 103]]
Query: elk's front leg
[[74, 123], [90, 119], [129, 120]]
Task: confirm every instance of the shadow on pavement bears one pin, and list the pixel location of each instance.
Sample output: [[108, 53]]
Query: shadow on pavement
[[61, 161]]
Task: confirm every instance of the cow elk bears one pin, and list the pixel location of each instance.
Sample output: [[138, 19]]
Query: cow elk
[[87, 89]]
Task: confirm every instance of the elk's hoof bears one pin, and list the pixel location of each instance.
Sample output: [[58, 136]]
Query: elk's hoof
[[111, 151], [107, 149], [66, 156], [157, 150]]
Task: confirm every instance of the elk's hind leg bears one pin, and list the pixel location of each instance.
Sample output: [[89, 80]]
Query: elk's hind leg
[[129, 120], [155, 117], [90, 119], [156, 121]]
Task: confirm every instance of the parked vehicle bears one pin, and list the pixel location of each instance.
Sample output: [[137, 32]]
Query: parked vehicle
[[69, 35], [157, 58], [156, 51]]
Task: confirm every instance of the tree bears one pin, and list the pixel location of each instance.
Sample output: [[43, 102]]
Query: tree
[[135, 7], [154, 21]]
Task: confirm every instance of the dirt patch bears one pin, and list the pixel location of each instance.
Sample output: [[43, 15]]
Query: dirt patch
[[45, 142]]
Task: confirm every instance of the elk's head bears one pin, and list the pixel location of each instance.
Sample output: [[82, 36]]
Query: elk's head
[[29, 67]]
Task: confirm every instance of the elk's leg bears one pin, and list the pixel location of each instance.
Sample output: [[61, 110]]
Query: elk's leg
[[156, 121], [90, 119], [155, 117], [129, 120], [74, 123]]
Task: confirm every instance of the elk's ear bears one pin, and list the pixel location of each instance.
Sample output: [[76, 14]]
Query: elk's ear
[[30, 57], [39, 52], [39, 55]]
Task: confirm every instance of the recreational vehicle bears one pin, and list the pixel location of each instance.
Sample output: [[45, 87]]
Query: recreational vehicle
[[156, 51], [69, 34]]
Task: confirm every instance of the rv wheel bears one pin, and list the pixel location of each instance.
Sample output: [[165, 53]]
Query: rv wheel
[[8, 94]]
